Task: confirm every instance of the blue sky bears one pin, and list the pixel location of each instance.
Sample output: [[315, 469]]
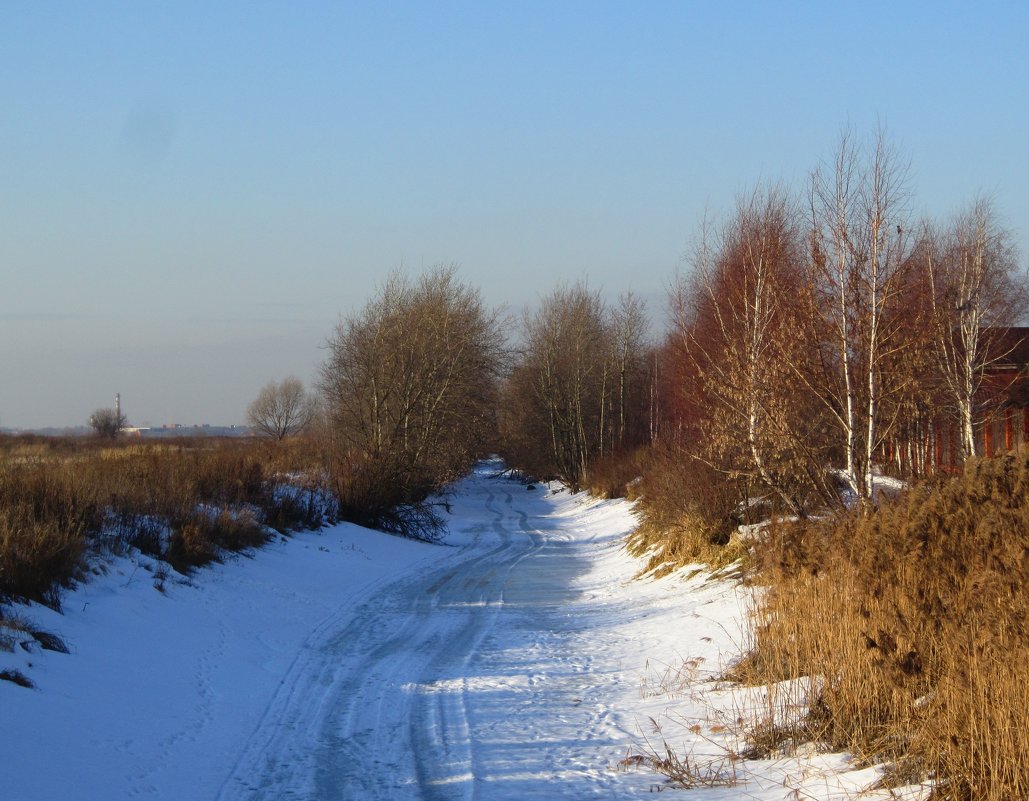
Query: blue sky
[[192, 194]]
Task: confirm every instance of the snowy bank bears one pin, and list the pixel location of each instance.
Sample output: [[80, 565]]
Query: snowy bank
[[522, 660]]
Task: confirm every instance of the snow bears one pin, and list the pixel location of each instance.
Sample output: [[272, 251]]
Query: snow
[[521, 660]]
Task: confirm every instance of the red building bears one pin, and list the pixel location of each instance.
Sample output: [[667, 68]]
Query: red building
[[1003, 397], [932, 442]]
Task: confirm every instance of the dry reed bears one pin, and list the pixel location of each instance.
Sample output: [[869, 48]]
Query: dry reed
[[914, 620], [185, 501]]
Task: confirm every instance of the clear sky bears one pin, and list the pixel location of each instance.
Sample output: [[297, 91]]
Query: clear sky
[[192, 194]]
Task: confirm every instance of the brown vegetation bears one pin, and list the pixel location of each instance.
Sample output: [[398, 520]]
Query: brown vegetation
[[809, 353], [184, 501], [687, 512], [811, 349], [912, 623], [410, 394]]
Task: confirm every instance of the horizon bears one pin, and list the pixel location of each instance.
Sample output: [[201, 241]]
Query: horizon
[[196, 195]]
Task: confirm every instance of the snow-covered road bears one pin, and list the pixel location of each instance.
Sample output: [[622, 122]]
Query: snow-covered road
[[490, 675], [348, 664]]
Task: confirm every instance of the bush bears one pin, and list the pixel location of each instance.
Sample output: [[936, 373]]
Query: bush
[[43, 526], [687, 511], [36, 558], [612, 475], [203, 537]]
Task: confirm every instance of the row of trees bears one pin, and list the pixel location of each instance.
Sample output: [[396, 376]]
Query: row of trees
[[811, 331], [580, 387]]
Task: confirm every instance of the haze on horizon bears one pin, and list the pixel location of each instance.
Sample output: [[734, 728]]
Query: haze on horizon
[[193, 194]]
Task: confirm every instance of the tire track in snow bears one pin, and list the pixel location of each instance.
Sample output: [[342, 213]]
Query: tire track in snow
[[446, 757], [469, 679], [361, 711]]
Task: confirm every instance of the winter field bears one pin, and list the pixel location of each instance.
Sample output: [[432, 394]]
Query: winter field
[[521, 660]]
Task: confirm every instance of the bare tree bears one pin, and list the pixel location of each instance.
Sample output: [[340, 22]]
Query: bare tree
[[735, 318], [107, 423], [281, 409], [580, 389], [974, 290], [629, 328], [858, 269], [410, 390], [568, 345]]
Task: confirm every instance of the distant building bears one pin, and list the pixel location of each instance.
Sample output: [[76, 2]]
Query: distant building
[[1003, 397], [201, 430], [1001, 413]]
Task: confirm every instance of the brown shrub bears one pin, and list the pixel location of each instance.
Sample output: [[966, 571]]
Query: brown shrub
[[202, 538], [36, 557], [914, 619], [43, 524], [687, 511], [612, 475]]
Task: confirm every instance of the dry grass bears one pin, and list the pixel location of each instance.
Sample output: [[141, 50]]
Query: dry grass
[[185, 501], [914, 618], [14, 629], [613, 476], [686, 510], [16, 677], [688, 771]]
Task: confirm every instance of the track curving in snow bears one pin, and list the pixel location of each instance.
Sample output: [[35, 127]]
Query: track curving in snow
[[462, 681]]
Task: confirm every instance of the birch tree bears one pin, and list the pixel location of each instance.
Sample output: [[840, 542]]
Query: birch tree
[[629, 336], [974, 290], [567, 348], [735, 321], [858, 269], [581, 389]]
